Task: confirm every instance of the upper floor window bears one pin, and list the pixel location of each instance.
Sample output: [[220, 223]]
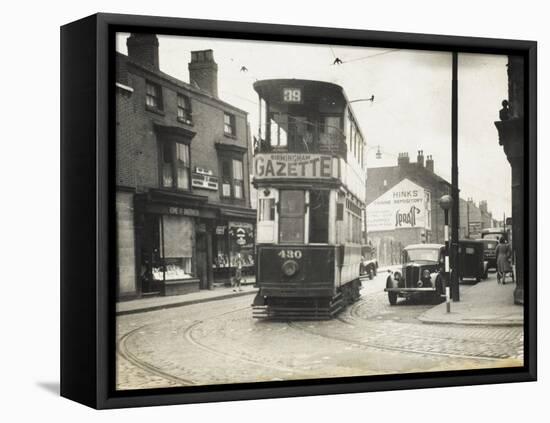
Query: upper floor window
[[229, 124], [184, 109], [232, 178], [153, 95], [238, 180], [175, 165]]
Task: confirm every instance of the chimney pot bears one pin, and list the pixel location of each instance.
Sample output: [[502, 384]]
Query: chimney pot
[[430, 163]]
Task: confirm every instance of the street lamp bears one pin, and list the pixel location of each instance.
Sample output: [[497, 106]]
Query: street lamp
[[378, 152], [446, 202]]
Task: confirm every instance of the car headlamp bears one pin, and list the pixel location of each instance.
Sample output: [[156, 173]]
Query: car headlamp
[[426, 274]]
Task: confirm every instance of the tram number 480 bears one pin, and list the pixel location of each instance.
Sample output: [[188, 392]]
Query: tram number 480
[[290, 254]]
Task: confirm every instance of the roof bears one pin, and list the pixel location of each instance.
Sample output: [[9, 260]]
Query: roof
[[424, 246], [264, 86], [395, 174], [178, 82]]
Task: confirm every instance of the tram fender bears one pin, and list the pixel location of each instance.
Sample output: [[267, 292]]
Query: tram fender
[[259, 300]]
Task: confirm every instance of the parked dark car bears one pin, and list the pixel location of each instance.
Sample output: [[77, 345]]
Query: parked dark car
[[471, 260], [489, 254], [419, 274]]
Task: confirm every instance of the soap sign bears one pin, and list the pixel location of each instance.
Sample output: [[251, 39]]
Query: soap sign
[[284, 166]]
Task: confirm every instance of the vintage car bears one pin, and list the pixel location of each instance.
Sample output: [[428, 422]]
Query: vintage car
[[420, 273], [369, 263], [489, 246], [471, 260]]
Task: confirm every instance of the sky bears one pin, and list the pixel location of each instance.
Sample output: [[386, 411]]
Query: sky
[[412, 99]]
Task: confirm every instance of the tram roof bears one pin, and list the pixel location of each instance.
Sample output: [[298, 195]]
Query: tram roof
[[265, 87]]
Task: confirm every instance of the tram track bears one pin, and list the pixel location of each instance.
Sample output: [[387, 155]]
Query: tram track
[[124, 352], [187, 333], [189, 336], [353, 313]]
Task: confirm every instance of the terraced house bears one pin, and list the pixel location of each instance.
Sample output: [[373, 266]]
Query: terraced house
[[182, 179]]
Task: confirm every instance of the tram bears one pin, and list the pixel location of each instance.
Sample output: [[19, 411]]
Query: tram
[[310, 175]]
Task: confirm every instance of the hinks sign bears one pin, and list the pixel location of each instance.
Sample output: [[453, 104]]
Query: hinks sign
[[406, 205], [275, 166]]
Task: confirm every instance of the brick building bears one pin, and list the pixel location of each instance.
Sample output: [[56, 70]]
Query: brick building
[[396, 194], [474, 218], [182, 179]]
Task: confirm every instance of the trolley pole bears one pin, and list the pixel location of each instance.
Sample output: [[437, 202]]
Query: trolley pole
[[446, 202]]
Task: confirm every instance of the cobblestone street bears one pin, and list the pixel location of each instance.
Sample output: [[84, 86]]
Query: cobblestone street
[[218, 342]]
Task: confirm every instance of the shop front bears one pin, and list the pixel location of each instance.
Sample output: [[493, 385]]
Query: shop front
[[185, 244], [233, 242]]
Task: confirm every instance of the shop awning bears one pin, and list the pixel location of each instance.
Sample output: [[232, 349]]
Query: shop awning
[[238, 213]]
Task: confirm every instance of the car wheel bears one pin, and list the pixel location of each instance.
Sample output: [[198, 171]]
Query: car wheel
[[392, 298], [371, 273], [374, 271]]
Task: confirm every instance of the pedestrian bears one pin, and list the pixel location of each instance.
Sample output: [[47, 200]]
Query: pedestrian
[[238, 273], [503, 253]]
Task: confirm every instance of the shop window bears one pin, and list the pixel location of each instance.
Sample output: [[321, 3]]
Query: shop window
[[291, 216], [153, 95], [184, 109], [166, 250], [318, 216], [229, 124], [175, 165]]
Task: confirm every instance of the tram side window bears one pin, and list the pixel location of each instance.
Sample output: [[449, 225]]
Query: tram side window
[[318, 216], [278, 125], [291, 216], [266, 209]]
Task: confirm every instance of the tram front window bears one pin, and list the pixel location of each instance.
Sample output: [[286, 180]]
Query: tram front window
[[318, 216], [291, 217]]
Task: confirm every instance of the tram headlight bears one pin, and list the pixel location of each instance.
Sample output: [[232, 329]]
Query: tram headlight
[[290, 268]]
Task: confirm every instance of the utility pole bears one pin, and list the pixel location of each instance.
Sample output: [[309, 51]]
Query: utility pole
[[446, 202], [455, 290], [468, 216]]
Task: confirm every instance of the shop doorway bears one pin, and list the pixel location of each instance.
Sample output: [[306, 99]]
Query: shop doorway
[[150, 254], [204, 261]]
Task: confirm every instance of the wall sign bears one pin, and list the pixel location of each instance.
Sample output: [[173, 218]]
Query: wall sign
[[200, 180], [406, 205]]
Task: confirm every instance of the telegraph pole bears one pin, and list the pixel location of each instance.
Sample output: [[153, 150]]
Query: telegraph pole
[[455, 291]]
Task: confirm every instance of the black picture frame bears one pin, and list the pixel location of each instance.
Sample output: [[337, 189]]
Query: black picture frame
[[87, 213]]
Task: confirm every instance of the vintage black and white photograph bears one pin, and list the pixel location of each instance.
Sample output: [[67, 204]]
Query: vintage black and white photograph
[[290, 211]]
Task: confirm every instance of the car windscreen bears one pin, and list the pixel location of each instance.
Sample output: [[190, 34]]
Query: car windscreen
[[422, 254], [490, 245]]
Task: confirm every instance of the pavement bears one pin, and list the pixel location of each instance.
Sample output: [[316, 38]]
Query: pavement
[[485, 303], [158, 303]]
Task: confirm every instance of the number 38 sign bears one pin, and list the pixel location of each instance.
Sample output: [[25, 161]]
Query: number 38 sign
[[292, 95]]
